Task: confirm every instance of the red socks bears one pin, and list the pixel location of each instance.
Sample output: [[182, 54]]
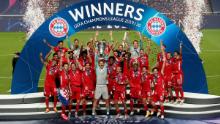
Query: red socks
[[162, 110], [63, 109], [181, 93], [131, 104], [84, 106], [77, 106], [145, 107]]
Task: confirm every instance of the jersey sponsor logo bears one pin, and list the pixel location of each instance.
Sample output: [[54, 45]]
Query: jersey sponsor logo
[[156, 26], [58, 27]]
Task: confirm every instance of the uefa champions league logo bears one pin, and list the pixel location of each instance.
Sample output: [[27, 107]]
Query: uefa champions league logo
[[58, 27], [156, 26]]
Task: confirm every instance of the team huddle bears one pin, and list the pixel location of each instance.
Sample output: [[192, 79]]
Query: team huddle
[[100, 70]]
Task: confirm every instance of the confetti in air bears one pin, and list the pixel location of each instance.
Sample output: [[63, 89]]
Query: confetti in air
[[193, 21], [34, 16]]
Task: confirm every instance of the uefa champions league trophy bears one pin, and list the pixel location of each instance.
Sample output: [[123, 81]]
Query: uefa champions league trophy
[[101, 46]]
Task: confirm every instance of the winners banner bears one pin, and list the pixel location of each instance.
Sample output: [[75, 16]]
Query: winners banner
[[92, 13]]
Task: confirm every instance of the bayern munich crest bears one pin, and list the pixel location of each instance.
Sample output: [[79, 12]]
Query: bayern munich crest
[[58, 27], [156, 26]]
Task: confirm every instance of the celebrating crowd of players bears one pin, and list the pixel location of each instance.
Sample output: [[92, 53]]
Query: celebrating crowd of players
[[91, 73]]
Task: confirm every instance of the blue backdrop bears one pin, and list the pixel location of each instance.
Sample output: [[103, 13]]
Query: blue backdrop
[[29, 67]]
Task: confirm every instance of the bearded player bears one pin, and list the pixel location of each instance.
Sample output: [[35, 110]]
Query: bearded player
[[50, 85], [121, 82]]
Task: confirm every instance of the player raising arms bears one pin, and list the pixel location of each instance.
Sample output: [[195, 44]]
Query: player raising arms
[[91, 51], [135, 86], [160, 57], [118, 59], [57, 48], [121, 82], [168, 75], [88, 78], [84, 58], [158, 84], [146, 92], [49, 85], [178, 76], [101, 85]]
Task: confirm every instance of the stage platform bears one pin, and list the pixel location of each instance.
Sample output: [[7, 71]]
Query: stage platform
[[31, 107]]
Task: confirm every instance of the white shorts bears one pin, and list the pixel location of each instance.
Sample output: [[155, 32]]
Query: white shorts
[[101, 90]]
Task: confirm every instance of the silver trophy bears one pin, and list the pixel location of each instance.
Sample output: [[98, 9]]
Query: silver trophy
[[101, 46]]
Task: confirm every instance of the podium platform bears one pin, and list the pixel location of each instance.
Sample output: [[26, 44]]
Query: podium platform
[[32, 107]]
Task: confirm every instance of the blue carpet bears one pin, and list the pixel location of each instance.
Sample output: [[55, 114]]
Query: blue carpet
[[112, 120]]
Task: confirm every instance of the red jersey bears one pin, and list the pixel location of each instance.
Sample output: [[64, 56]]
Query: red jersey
[[135, 79], [83, 61], [51, 72], [159, 57], [64, 79], [143, 61], [168, 67], [118, 60], [158, 83], [126, 67], [108, 49], [146, 80], [62, 50], [92, 55], [132, 61], [64, 59], [88, 77], [120, 84], [75, 78], [112, 71], [72, 60], [177, 66], [160, 60]]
